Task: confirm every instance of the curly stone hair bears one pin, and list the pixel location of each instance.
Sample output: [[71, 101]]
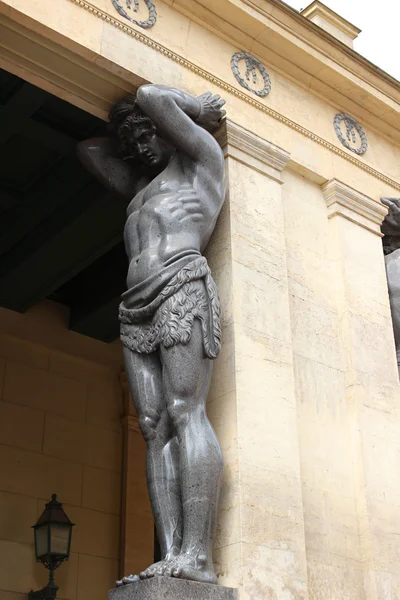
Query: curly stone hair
[[124, 116]]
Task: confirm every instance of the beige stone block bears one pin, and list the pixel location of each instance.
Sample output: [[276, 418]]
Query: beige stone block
[[206, 49], [384, 523], [172, 29], [328, 469], [19, 571], [253, 344], [306, 219], [223, 377], [380, 422], [320, 391], [251, 249], [101, 490], [384, 584], [380, 459], [329, 581], [150, 66], [66, 19], [104, 449], [40, 476], [45, 391], [96, 576], [261, 302], [17, 515], [95, 533], [268, 434], [312, 277], [105, 404], [82, 443], [282, 572], [269, 377], [83, 370], [331, 528], [11, 595], [229, 565], [65, 439], [67, 576], [21, 427], [228, 530], [271, 509], [316, 333], [23, 351], [218, 251], [372, 345], [256, 210]]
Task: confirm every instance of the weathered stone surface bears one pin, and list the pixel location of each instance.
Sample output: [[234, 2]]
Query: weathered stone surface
[[167, 588]]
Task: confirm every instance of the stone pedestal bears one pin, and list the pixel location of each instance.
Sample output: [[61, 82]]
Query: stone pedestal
[[167, 588]]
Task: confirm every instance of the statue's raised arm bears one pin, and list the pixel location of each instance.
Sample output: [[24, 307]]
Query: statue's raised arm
[[183, 120]]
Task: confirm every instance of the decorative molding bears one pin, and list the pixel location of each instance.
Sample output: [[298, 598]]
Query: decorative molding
[[235, 92], [351, 125], [145, 24], [352, 205], [252, 150], [252, 64]]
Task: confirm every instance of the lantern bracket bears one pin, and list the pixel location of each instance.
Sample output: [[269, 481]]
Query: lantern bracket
[[49, 592]]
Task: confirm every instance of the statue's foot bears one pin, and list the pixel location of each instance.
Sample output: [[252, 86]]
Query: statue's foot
[[158, 569], [128, 579], [195, 568]]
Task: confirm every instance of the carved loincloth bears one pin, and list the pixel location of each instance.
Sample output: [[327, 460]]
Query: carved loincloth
[[168, 319]]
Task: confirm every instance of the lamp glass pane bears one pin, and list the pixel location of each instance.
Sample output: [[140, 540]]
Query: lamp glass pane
[[42, 540], [59, 538]]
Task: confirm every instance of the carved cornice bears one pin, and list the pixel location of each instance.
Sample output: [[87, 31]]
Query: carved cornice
[[250, 149], [140, 37], [352, 205]]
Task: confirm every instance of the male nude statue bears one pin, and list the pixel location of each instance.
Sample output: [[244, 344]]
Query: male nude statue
[[391, 248], [162, 155]]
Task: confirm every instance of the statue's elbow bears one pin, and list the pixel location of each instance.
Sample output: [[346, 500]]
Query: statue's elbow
[[147, 94]]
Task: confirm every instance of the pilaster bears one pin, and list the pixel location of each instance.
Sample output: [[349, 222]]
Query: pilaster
[[371, 378], [260, 544]]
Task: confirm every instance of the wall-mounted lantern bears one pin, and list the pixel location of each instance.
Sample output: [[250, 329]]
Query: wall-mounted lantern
[[53, 532]]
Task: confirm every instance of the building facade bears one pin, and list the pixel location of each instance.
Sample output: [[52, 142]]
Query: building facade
[[305, 396]]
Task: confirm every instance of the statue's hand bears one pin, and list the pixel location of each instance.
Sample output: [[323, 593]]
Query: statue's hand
[[211, 111], [391, 223]]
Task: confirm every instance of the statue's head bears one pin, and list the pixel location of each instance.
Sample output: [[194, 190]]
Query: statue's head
[[137, 135]]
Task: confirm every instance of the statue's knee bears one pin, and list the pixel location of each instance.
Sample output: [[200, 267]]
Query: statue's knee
[[148, 426], [178, 410]]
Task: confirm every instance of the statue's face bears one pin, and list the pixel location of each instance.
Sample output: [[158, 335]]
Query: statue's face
[[150, 148]]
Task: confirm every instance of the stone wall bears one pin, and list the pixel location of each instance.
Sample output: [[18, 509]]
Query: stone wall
[[60, 432]]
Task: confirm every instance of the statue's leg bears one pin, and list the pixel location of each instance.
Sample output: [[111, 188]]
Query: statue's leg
[[393, 278], [145, 382], [186, 377]]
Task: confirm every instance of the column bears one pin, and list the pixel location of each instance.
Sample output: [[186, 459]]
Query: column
[[373, 398], [260, 544]]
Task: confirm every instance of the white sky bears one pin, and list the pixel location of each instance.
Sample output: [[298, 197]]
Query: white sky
[[379, 21]]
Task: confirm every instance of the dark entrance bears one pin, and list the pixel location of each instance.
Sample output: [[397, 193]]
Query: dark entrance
[[60, 231]]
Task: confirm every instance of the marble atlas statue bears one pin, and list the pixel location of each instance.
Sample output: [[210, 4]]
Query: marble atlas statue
[[162, 157]]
